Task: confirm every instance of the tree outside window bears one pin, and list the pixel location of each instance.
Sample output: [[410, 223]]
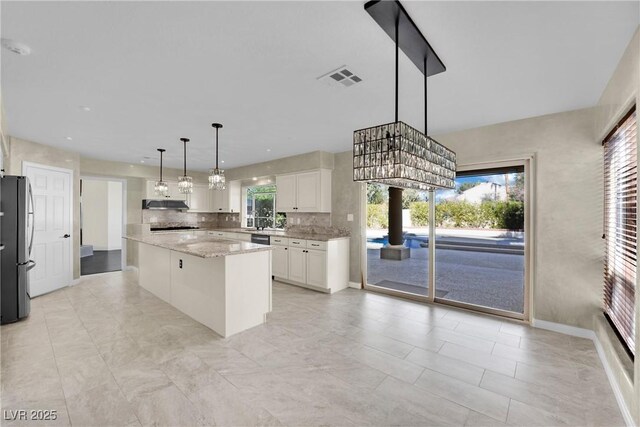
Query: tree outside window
[[261, 208]]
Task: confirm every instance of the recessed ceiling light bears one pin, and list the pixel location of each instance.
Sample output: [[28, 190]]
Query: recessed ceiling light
[[69, 138], [255, 178], [85, 108], [15, 47], [141, 161], [221, 161], [268, 150]]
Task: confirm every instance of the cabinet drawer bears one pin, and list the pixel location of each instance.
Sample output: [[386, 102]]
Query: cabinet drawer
[[280, 241], [315, 244], [297, 243]]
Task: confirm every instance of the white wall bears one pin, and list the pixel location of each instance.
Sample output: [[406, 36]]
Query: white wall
[[95, 202], [102, 214], [114, 216]]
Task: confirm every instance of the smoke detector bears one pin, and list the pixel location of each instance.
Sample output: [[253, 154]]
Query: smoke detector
[[15, 47], [340, 77]]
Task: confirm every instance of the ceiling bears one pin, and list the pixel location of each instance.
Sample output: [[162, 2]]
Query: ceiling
[[152, 72]]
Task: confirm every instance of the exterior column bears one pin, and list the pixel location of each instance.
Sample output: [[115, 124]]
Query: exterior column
[[395, 216], [395, 250]]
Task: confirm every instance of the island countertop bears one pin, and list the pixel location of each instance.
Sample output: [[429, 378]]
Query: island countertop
[[284, 233], [197, 245]]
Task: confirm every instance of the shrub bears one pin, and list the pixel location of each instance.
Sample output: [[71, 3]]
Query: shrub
[[419, 212], [513, 215], [377, 216]]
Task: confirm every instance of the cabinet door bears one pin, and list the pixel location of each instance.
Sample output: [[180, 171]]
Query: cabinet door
[[223, 205], [234, 197], [174, 193], [308, 192], [316, 268], [280, 262], [297, 265], [198, 201], [215, 201], [286, 193]]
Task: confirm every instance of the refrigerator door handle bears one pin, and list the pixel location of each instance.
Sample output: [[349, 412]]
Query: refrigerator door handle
[[31, 264], [31, 206]]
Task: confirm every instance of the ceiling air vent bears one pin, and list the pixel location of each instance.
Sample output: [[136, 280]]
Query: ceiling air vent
[[341, 76]]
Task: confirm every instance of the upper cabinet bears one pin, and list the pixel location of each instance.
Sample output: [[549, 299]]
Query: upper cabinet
[[200, 199], [174, 194], [227, 200], [304, 191]]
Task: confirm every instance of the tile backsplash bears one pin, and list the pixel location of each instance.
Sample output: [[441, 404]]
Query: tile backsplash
[[312, 223], [203, 220], [319, 223]]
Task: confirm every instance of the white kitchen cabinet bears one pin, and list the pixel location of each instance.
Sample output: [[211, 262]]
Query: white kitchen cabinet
[[304, 192], [227, 200], [174, 194], [318, 265], [199, 200], [286, 193], [316, 268], [280, 262], [297, 265]]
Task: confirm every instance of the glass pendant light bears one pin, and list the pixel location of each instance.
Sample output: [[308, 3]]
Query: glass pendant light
[[185, 183], [216, 176], [161, 188]]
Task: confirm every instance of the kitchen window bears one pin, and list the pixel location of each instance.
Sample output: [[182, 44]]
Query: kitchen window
[[620, 227], [261, 208]]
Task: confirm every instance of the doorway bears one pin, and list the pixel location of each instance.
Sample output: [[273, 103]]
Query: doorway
[[101, 225], [481, 234]]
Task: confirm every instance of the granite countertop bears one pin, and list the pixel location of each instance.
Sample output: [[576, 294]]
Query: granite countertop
[[285, 233], [200, 246]]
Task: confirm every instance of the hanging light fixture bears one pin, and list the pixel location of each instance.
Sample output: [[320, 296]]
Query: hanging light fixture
[[161, 188], [216, 176], [185, 183], [396, 154]]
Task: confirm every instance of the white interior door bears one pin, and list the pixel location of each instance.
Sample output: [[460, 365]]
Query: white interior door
[[52, 200]]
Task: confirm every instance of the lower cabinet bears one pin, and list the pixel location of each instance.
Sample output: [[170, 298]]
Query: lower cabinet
[[316, 268], [297, 265], [325, 268], [280, 261]]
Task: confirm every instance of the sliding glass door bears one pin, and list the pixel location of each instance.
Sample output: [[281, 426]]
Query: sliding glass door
[[479, 231], [406, 275], [480, 249]]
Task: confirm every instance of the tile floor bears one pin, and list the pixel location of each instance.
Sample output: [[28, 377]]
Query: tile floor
[[106, 352]]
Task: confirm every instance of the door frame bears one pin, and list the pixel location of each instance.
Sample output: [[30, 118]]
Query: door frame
[[528, 162], [123, 217], [25, 165]]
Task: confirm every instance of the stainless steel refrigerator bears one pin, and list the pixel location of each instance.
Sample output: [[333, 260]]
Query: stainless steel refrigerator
[[16, 241]]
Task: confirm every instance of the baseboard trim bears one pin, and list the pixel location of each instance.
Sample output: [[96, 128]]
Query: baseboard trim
[[131, 268], [355, 285], [589, 334], [563, 329]]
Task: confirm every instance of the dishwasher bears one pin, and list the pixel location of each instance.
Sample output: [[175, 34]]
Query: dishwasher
[[261, 239]]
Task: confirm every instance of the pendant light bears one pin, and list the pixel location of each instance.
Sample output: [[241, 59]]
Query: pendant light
[[397, 154], [161, 188], [216, 176], [185, 183]]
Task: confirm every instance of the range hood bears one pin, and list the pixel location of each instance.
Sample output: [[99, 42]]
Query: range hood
[[165, 204]]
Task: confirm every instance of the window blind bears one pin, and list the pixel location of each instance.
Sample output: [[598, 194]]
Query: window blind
[[620, 227]]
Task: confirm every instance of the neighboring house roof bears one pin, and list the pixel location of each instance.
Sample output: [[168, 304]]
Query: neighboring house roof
[[480, 192]]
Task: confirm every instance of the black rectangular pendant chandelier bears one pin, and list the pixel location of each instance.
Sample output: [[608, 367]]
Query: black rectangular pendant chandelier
[[397, 154]]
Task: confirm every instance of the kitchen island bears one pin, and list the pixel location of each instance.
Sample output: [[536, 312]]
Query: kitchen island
[[223, 284]]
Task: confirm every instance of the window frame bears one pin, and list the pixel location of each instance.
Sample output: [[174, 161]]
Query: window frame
[[620, 176]]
